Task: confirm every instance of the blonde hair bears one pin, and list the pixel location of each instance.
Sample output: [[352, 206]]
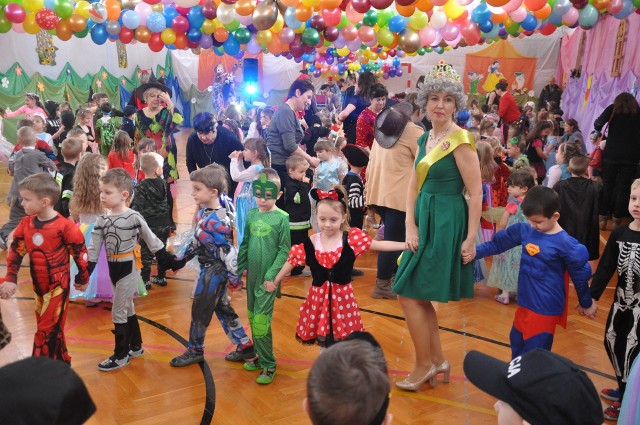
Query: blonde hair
[[486, 125], [27, 136], [494, 142], [150, 162], [324, 144], [260, 146], [487, 163], [635, 184], [71, 148], [295, 161], [213, 176], [338, 206], [42, 185], [81, 113], [86, 189]]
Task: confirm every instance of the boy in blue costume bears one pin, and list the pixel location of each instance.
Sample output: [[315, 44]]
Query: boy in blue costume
[[547, 253]]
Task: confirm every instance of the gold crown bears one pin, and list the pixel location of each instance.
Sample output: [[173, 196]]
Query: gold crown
[[443, 70]]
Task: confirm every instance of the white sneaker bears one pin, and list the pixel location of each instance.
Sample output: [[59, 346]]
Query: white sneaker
[[113, 363], [136, 353]]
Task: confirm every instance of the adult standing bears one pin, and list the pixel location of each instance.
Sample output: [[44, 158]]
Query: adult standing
[[211, 144], [620, 157], [367, 120], [550, 93], [356, 104], [137, 99], [285, 132], [393, 153], [573, 134], [158, 121], [508, 109], [441, 225]]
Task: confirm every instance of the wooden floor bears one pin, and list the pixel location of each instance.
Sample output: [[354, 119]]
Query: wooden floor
[[149, 391]]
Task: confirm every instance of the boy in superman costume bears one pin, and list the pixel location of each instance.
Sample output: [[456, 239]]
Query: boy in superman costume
[[548, 252]]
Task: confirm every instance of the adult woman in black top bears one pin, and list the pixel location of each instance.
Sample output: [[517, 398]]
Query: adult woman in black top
[[210, 143], [356, 104], [620, 157]]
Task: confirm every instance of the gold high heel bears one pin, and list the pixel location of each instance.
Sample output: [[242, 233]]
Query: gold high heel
[[415, 386], [445, 368]]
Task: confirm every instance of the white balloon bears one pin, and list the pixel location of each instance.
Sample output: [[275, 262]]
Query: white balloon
[[438, 20]]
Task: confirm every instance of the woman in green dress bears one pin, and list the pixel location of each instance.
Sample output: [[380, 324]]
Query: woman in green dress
[[441, 224]]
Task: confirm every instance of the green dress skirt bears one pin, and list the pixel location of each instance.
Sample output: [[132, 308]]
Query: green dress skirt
[[435, 272]]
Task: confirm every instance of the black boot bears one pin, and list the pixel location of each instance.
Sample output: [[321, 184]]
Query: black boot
[[120, 356], [134, 337]]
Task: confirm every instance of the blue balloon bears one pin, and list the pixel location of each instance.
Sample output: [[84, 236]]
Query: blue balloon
[[555, 19], [194, 34], [99, 34], [493, 33], [219, 51], [588, 16], [485, 26], [130, 19], [156, 22], [530, 23], [113, 36], [195, 16], [170, 12], [290, 18], [397, 24], [231, 46], [49, 4], [240, 55], [481, 13], [627, 9]]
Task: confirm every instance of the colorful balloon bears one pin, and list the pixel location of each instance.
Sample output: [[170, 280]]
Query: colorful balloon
[[15, 13]]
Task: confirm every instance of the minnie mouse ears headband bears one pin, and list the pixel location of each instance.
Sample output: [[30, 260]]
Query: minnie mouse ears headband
[[332, 195]]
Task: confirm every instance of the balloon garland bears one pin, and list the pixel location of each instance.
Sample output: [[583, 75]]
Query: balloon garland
[[330, 35]]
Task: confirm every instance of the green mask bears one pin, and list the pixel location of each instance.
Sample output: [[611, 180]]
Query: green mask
[[265, 189]]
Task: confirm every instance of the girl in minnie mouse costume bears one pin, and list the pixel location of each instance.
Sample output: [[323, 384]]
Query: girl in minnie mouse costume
[[330, 313]]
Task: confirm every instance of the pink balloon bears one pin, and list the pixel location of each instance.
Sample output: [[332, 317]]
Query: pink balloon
[[354, 45], [332, 16], [519, 14], [571, 17], [334, 69], [18, 28], [372, 43], [143, 10], [614, 7], [427, 36], [439, 2], [349, 32], [450, 32], [287, 35], [512, 5], [455, 41], [366, 33], [15, 13], [354, 16], [470, 32]]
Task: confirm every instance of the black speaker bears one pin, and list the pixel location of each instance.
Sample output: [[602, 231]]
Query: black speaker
[[250, 70]]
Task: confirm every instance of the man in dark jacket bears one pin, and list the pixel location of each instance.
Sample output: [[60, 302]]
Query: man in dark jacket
[[550, 93]]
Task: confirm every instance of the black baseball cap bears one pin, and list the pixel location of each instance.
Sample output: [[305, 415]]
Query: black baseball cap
[[544, 388]]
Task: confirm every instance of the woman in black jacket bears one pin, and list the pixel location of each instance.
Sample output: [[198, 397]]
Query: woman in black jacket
[[620, 157]]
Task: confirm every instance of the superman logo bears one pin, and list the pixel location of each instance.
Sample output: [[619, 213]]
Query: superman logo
[[532, 249]]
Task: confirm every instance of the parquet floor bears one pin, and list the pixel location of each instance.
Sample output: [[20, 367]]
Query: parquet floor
[[149, 391]]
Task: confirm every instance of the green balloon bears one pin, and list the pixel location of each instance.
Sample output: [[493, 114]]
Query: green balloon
[[385, 37], [370, 18], [233, 25], [384, 16], [4, 3], [82, 34], [310, 37], [243, 35], [343, 21], [636, 3], [422, 51], [5, 24], [63, 8]]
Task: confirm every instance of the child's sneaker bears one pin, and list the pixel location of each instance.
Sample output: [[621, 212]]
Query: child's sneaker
[[612, 394], [136, 352], [113, 363], [267, 375], [252, 365], [147, 285], [160, 281], [612, 412], [187, 358], [241, 354]]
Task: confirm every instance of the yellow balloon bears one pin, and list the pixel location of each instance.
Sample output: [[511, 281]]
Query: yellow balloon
[[168, 36], [301, 29], [158, 7], [453, 10], [29, 24], [208, 26], [264, 37], [311, 3], [344, 51], [277, 27], [82, 9], [33, 5]]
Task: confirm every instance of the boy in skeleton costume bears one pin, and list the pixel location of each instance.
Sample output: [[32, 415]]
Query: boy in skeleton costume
[[119, 231], [622, 252]]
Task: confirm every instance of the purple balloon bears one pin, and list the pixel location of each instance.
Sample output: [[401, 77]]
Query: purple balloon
[[399, 72], [206, 41]]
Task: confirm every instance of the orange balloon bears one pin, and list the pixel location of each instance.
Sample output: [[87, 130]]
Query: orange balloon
[[290, 3], [544, 12], [63, 30], [245, 7], [221, 34], [181, 41], [601, 5], [113, 11], [330, 4], [275, 46], [499, 18], [497, 3], [406, 11], [78, 22], [303, 13], [143, 34], [534, 5], [424, 5]]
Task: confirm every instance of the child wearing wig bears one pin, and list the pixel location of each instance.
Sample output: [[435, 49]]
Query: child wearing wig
[[255, 152], [330, 313], [85, 208], [122, 155], [505, 266]]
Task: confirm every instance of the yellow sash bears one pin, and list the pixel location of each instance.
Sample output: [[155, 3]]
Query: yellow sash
[[443, 149]]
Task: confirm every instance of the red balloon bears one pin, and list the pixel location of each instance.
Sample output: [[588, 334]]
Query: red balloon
[[180, 24], [331, 34], [363, 6], [317, 22], [126, 35], [181, 41], [547, 29], [182, 10], [193, 44], [14, 13], [152, 1], [155, 42], [405, 2], [47, 19], [209, 10], [381, 4], [344, 4]]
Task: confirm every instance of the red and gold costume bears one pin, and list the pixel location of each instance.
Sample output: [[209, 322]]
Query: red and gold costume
[[49, 245]]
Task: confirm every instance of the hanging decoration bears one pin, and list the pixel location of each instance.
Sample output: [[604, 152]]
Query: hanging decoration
[[122, 55], [45, 48]]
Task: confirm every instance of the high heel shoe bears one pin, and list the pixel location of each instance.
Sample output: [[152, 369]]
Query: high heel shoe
[[445, 368], [415, 386]]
